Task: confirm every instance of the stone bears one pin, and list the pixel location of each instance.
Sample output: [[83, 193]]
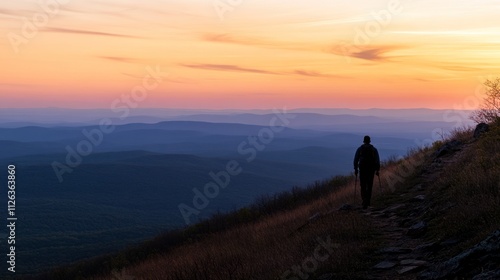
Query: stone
[[394, 208], [413, 262], [419, 187], [393, 229], [449, 242], [417, 230], [405, 257], [463, 264], [428, 247], [385, 265], [419, 198], [314, 217], [327, 276], [481, 129], [405, 222], [395, 250], [448, 148], [488, 275], [345, 207], [379, 215], [407, 269]]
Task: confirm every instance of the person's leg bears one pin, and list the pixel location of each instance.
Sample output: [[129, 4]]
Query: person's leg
[[369, 186], [363, 180]]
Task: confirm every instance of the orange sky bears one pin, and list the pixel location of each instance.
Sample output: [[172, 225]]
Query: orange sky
[[248, 54]]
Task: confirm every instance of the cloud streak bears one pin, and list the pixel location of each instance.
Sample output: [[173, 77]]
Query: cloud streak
[[227, 67], [18, 15], [15, 85], [120, 59], [252, 41], [458, 68], [177, 80], [227, 38], [314, 74], [377, 53], [236, 68], [85, 32]]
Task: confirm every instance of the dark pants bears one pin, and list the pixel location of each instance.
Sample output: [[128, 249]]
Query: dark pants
[[366, 183]]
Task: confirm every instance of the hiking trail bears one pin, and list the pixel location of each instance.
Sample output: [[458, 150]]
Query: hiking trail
[[405, 252]]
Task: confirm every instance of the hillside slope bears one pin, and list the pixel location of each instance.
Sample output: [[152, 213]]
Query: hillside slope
[[434, 206]]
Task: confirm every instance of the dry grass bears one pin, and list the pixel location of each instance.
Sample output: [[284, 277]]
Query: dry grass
[[467, 196], [270, 246], [267, 248], [399, 173]]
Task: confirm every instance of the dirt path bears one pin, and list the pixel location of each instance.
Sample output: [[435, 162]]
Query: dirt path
[[405, 251]]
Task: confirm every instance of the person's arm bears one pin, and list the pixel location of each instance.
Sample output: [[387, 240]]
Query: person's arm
[[377, 161], [356, 160]]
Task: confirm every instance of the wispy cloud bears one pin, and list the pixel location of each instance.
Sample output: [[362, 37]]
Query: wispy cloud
[[85, 32], [15, 85], [254, 41], [236, 68], [228, 38], [371, 54], [15, 14], [374, 53], [5, 12], [120, 59], [315, 74], [226, 67], [459, 68], [170, 78], [336, 21], [451, 32]]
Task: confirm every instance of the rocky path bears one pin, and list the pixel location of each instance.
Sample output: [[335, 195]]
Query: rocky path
[[406, 252]]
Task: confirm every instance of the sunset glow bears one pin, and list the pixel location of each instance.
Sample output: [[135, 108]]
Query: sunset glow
[[248, 54]]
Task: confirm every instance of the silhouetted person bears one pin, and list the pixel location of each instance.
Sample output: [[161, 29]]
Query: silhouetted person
[[368, 162]]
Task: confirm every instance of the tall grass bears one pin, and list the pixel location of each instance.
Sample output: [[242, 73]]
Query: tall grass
[[273, 218], [469, 190], [271, 246], [274, 236]]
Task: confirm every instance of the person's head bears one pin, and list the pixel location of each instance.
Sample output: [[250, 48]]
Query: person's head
[[367, 139]]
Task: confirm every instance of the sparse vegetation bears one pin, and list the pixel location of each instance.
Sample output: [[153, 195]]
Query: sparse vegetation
[[469, 187], [490, 110]]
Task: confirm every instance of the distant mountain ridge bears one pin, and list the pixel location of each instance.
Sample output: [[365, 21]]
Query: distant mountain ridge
[[12, 117]]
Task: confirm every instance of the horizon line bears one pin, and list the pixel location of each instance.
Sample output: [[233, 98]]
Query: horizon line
[[239, 109]]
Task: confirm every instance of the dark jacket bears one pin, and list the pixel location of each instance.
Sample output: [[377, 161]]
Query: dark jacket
[[360, 160]]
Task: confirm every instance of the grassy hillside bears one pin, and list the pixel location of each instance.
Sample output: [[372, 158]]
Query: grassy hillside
[[301, 234], [116, 199]]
